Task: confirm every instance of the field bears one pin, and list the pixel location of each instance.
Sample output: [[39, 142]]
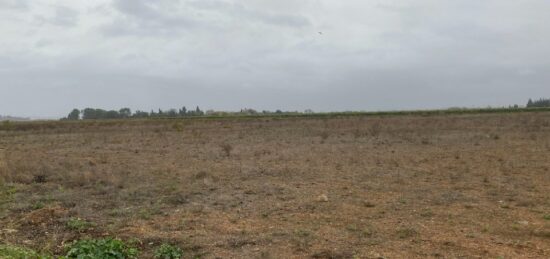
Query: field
[[404, 186]]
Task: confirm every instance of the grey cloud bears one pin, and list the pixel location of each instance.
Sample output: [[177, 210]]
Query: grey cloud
[[240, 11], [147, 18], [61, 16], [142, 17], [65, 16], [14, 4], [268, 55]]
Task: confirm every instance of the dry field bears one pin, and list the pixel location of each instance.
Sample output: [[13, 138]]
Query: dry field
[[450, 186]]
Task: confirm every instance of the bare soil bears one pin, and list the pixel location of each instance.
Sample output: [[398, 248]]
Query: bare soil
[[453, 186]]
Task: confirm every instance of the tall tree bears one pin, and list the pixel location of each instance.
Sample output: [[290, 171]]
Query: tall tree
[[74, 115], [125, 113], [198, 112], [183, 111]]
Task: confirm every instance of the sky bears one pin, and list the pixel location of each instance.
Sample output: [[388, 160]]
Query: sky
[[324, 55]]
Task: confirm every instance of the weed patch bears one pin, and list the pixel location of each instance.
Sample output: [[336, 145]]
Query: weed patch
[[101, 248], [166, 251], [13, 252], [79, 225]]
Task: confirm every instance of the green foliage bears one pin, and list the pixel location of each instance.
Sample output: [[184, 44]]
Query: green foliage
[[74, 115], [166, 251], [541, 103], [101, 248], [12, 252], [99, 114], [78, 224], [6, 125], [547, 217], [124, 113], [6, 193]]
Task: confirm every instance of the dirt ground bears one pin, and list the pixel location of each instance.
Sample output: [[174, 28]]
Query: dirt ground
[[450, 186]]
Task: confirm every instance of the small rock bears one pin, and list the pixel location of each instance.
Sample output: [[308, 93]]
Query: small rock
[[322, 198], [523, 222]]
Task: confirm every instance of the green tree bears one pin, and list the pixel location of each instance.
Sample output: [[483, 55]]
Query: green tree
[[74, 115], [125, 113], [183, 111], [198, 112]]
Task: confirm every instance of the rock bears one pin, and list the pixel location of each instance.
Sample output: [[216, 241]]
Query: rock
[[523, 222], [322, 198]]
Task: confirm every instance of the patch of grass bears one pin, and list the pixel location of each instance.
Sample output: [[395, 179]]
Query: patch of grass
[[352, 228], [13, 252], [546, 217], [101, 248], [406, 232], [302, 239], [6, 193], [78, 224], [427, 214], [177, 127], [361, 232], [166, 251]]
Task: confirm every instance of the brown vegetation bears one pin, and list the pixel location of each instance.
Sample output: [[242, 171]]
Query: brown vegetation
[[474, 186]]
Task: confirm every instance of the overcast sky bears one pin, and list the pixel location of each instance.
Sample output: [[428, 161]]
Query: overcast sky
[[326, 55]]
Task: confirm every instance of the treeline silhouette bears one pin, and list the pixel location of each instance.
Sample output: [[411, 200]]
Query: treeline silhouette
[[125, 113], [540, 103]]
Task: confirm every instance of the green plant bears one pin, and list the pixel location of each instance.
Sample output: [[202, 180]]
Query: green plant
[[166, 251], [108, 248], [547, 217], [78, 224], [12, 252], [177, 127], [37, 205]]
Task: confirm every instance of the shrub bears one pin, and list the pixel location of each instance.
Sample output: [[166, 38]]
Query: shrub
[[101, 248], [166, 251]]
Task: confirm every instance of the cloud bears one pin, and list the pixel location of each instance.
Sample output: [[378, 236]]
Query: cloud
[[14, 4], [228, 54], [60, 16], [241, 12]]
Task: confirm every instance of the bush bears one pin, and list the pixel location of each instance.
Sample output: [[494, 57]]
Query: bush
[[166, 251], [101, 248]]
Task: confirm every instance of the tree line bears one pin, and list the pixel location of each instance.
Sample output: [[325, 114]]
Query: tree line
[[125, 113], [540, 103]]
